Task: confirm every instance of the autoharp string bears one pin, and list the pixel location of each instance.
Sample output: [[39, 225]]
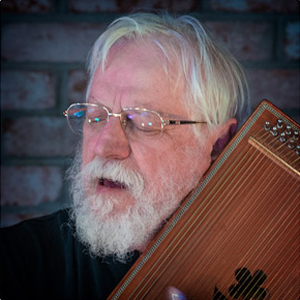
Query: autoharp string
[[280, 218], [230, 248], [287, 154], [296, 160], [276, 216], [241, 228], [276, 184], [161, 264], [263, 166], [284, 272], [263, 257], [283, 293], [251, 201], [250, 206], [293, 226]]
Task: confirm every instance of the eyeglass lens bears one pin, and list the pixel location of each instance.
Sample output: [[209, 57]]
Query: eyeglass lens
[[95, 118]]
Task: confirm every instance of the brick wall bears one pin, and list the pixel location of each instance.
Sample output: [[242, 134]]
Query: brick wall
[[44, 44]]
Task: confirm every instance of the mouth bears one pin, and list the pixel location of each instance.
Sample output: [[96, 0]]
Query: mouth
[[111, 184]]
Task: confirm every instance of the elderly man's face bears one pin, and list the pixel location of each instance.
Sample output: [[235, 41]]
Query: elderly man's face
[[131, 183], [134, 77]]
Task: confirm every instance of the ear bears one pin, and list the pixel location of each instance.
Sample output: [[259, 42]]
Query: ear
[[225, 134]]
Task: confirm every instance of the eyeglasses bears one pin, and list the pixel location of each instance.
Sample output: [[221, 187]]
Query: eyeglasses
[[134, 121]]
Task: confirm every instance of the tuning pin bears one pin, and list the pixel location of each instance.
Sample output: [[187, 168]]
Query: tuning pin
[[298, 150], [282, 137], [279, 123], [291, 144], [267, 126], [274, 131], [296, 135], [288, 130]]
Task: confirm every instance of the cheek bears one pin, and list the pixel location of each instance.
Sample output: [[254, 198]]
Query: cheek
[[190, 161], [87, 153], [147, 158], [200, 165], [169, 157]]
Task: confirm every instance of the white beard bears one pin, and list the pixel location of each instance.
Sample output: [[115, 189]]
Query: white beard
[[107, 232]]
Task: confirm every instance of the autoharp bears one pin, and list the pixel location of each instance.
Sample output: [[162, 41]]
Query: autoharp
[[237, 236]]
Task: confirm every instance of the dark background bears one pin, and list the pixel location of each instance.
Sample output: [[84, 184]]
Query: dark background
[[44, 44]]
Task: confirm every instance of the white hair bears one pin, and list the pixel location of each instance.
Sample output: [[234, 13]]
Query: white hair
[[215, 85]]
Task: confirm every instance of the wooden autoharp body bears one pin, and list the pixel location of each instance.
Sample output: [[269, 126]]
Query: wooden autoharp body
[[237, 236]]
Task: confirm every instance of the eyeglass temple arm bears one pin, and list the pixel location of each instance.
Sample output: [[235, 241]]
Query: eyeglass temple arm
[[177, 122]]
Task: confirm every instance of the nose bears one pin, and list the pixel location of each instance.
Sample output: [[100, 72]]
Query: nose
[[112, 142]]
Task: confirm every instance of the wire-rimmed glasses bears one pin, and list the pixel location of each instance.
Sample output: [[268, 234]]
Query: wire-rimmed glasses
[[93, 117]]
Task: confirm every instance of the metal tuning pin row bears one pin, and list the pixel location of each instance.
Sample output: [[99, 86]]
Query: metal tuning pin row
[[285, 134]]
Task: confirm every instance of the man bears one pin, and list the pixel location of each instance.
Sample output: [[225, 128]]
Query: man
[[162, 101]]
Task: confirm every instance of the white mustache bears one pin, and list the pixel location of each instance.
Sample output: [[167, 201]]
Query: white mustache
[[99, 169]]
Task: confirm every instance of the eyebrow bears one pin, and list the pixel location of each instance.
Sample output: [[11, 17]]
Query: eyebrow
[[93, 98], [139, 104], [147, 105]]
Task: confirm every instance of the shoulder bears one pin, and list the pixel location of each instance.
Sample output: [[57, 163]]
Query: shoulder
[[58, 216], [43, 233], [33, 253]]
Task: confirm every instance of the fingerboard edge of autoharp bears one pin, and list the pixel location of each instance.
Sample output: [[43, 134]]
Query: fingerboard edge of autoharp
[[274, 157]]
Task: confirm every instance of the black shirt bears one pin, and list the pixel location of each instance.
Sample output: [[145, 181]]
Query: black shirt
[[41, 259]]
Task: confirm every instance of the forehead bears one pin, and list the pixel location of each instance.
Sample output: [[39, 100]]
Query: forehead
[[138, 74]]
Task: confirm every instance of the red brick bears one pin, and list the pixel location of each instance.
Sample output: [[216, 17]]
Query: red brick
[[30, 185], [132, 5], [38, 137], [77, 86], [93, 6], [259, 6], [170, 5], [279, 86], [27, 6], [27, 90], [244, 39], [182, 6], [292, 40], [50, 42], [71, 42]]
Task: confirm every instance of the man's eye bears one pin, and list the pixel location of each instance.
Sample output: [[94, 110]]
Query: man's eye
[[144, 129], [134, 124], [95, 120]]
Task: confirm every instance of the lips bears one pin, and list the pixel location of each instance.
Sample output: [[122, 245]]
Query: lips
[[111, 184]]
